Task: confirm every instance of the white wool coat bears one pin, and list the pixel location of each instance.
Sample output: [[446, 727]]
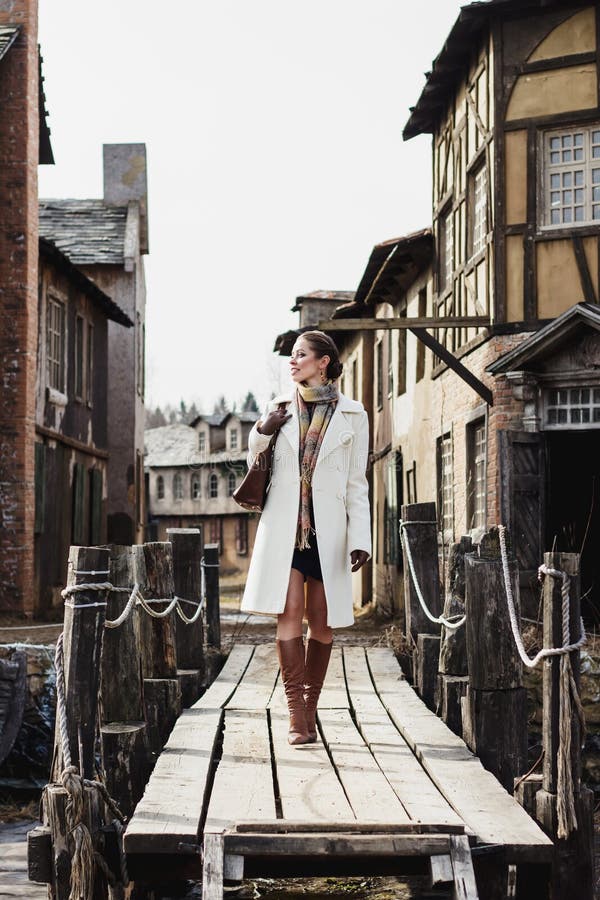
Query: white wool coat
[[340, 502]]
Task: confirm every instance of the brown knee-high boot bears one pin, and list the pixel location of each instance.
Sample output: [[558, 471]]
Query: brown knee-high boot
[[317, 660], [291, 663]]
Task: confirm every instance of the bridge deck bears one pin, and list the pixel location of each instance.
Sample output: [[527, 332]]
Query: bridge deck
[[387, 776]]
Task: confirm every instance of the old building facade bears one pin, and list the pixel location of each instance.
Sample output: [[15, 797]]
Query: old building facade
[[192, 472], [107, 239], [71, 420]]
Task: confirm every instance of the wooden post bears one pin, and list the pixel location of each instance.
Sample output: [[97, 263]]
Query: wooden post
[[453, 680], [153, 571], [56, 806], [573, 865], [85, 612], [498, 702], [124, 736], [425, 668], [213, 611], [423, 543], [187, 556]]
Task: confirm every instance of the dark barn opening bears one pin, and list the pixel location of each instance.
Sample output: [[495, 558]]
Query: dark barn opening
[[573, 507]]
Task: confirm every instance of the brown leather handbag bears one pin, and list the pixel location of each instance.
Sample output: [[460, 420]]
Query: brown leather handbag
[[252, 492]]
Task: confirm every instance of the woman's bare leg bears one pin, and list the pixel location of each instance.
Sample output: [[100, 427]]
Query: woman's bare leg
[[316, 611], [289, 622]]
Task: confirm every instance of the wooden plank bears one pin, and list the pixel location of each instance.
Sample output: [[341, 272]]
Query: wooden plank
[[477, 797], [465, 887], [170, 811], [368, 791], [309, 788], [441, 871], [403, 323], [256, 686], [337, 845], [228, 679], [292, 826], [334, 694], [212, 867], [243, 786], [411, 784]]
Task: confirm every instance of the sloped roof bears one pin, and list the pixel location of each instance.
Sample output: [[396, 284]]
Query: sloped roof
[[87, 231], [548, 338], [217, 420], [98, 297], [326, 296], [177, 445], [450, 63]]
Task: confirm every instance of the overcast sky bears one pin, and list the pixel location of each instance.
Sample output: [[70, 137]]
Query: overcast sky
[[275, 156]]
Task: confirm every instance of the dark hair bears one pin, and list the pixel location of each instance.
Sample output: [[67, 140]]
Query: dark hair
[[323, 345]]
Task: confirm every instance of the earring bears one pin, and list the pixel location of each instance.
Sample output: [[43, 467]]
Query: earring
[[323, 376]]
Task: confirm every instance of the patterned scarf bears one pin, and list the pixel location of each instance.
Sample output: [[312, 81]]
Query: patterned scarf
[[312, 432]]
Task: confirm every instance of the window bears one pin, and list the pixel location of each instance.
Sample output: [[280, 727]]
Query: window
[[445, 485], [479, 210], [202, 441], [89, 375], [446, 251], [178, 486], [411, 483], [379, 372], [572, 408], [160, 488], [571, 177], [213, 485], [241, 536], [231, 484], [390, 374], [233, 439], [79, 356], [355, 379], [420, 345], [476, 471], [195, 486], [55, 343]]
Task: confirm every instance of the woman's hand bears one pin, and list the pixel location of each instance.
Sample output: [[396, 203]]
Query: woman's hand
[[358, 558], [274, 421]]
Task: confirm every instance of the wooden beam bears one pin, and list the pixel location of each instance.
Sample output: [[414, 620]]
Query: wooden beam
[[587, 285], [396, 322], [453, 363]]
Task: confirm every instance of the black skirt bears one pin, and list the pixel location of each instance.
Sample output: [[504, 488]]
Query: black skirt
[[307, 561]]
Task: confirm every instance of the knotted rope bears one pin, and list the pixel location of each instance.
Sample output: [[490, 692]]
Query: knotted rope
[[453, 623], [569, 695]]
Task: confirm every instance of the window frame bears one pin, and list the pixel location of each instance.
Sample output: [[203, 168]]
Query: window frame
[[446, 529], [588, 163], [592, 404], [476, 466], [177, 487], [213, 479], [202, 441], [475, 249], [57, 360], [80, 358], [195, 486], [234, 445], [160, 487], [230, 489], [446, 218]]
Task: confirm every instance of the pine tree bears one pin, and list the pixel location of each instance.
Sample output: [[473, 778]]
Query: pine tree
[[221, 406], [249, 403]]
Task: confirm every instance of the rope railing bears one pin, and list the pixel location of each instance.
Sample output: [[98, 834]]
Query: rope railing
[[136, 598], [452, 623]]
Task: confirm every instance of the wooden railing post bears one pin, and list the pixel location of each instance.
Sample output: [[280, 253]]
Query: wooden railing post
[[83, 632], [453, 680], [213, 609], [425, 634], [573, 868], [187, 556], [125, 751], [497, 702], [153, 571]]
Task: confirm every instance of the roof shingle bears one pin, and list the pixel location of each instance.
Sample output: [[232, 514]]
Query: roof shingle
[[87, 231]]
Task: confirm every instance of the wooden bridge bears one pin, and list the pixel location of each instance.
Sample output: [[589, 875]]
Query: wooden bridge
[[387, 785]]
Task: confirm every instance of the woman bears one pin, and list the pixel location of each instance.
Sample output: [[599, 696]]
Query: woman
[[316, 524]]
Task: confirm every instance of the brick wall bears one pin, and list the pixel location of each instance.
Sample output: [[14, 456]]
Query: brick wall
[[19, 149]]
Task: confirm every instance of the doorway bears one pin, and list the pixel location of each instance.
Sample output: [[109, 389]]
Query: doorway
[[573, 508]]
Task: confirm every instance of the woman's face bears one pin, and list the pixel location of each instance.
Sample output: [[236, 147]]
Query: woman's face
[[305, 365]]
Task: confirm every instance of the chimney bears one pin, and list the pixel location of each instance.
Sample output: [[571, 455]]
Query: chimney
[[125, 181]]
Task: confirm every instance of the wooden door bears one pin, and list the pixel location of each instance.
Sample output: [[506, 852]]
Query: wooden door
[[522, 506]]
